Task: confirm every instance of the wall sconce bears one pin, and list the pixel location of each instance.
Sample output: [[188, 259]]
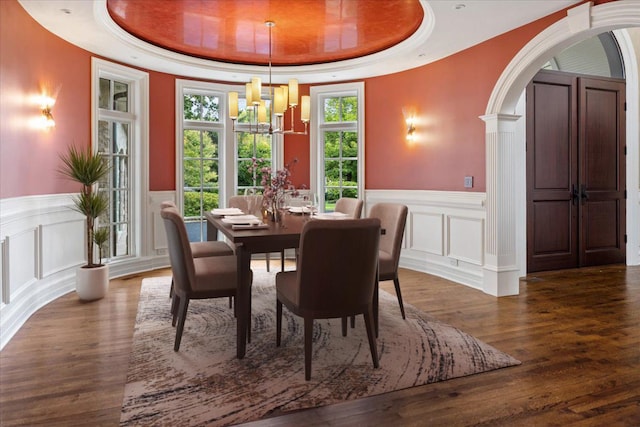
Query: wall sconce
[[410, 121], [46, 119]]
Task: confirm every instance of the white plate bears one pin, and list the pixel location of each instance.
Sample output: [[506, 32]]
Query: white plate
[[298, 209]]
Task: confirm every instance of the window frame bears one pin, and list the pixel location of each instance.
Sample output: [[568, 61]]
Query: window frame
[[318, 95], [138, 119]]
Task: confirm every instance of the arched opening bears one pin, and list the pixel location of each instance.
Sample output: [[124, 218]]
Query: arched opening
[[505, 139]]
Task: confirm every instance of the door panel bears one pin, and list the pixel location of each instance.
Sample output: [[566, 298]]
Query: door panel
[[552, 171], [602, 172]]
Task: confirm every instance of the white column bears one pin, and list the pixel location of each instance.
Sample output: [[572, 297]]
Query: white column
[[500, 275]]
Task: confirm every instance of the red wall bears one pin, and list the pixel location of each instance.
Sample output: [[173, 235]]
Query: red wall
[[447, 97], [32, 60]]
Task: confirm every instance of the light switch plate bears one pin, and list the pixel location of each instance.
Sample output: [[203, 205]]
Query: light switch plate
[[468, 182]]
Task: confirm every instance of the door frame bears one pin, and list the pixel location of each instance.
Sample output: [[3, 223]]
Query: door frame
[[505, 247]]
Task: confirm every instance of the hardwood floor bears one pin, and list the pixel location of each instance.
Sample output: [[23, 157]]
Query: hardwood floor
[[576, 332]]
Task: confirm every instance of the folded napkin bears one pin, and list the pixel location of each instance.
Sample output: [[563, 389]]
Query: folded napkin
[[241, 219], [226, 211], [332, 215]]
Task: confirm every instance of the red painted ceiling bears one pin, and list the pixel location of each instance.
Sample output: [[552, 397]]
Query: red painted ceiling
[[305, 31]]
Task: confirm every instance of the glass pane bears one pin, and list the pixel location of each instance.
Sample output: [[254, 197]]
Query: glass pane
[[120, 172], [191, 202], [331, 195], [191, 170], [120, 238], [192, 106], [350, 144], [332, 172], [245, 177], [104, 95], [120, 138], [349, 173], [209, 173], [195, 228], [104, 137], [120, 206], [245, 115], [210, 144], [120, 96], [211, 108], [191, 143], [210, 200], [350, 109], [332, 110], [331, 144]]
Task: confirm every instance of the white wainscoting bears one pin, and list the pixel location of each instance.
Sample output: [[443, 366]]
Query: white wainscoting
[[445, 232], [42, 243]]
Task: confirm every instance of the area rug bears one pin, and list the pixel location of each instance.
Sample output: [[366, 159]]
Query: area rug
[[205, 384]]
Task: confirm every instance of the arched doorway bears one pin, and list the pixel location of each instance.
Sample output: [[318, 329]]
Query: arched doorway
[[505, 138]]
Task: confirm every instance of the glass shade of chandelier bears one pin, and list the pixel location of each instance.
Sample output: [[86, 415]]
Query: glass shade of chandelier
[[281, 99]]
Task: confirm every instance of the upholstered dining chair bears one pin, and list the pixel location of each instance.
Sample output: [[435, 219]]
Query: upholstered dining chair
[[335, 278], [195, 278], [242, 203], [349, 206], [393, 218], [199, 250]]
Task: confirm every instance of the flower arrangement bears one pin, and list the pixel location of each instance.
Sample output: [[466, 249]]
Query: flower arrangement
[[274, 185]]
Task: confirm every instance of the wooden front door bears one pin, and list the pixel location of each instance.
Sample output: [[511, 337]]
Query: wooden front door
[[575, 171]]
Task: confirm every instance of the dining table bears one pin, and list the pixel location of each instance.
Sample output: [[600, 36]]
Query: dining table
[[268, 236]]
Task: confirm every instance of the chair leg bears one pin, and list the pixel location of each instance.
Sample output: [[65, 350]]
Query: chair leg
[[308, 339], [278, 322], [182, 311], [249, 319], [371, 335], [353, 322], [396, 282], [268, 257], [230, 302], [344, 326], [171, 289], [175, 303]]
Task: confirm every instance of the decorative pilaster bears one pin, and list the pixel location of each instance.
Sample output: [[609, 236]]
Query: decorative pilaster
[[500, 268]]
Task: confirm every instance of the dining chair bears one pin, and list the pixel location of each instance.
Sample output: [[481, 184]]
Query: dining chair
[[349, 206], [393, 218], [335, 278], [243, 203], [200, 250], [195, 278]]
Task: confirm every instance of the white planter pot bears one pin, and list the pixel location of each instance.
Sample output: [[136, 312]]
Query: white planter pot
[[92, 283]]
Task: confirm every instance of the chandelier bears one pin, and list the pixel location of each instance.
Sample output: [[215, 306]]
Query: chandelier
[[279, 98]]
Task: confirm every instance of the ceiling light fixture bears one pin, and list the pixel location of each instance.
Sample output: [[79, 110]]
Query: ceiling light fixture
[[257, 110]]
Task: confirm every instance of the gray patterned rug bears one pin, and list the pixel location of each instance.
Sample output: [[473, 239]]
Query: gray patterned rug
[[205, 384]]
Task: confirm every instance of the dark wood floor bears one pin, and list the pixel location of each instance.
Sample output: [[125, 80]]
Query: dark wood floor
[[576, 332]]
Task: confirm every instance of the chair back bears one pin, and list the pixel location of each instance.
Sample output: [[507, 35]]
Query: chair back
[[337, 267], [244, 203], [349, 206], [393, 218], [167, 204], [179, 249]]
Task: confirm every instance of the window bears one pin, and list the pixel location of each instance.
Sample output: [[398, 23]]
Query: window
[[118, 104], [201, 136], [338, 143], [209, 172]]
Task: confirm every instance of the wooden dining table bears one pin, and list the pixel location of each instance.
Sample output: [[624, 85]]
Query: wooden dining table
[[274, 238]]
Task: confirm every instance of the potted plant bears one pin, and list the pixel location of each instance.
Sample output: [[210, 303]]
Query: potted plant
[[88, 168]]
